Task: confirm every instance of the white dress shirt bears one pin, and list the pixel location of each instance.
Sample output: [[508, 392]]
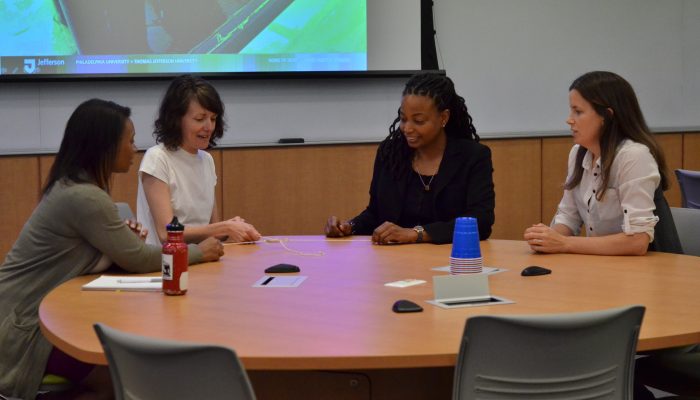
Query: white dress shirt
[[628, 202]]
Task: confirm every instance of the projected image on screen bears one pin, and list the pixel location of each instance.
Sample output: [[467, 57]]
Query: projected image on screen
[[66, 37]]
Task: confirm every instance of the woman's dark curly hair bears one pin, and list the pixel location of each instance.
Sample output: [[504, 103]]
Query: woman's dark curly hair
[[182, 90], [395, 150]]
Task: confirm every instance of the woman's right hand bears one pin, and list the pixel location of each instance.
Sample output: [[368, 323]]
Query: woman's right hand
[[212, 249], [544, 239], [335, 228], [137, 228], [238, 230]]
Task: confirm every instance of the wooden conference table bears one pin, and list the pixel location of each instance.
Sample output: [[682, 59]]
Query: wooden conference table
[[340, 317]]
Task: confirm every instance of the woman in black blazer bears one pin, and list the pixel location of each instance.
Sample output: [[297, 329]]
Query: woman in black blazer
[[429, 171]]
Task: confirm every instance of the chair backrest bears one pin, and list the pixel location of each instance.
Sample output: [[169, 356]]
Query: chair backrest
[[688, 226], [567, 356], [124, 211], [689, 182], [145, 368], [665, 234]]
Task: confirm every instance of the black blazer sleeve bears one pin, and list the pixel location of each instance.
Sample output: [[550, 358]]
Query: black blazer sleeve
[[467, 192], [463, 188]]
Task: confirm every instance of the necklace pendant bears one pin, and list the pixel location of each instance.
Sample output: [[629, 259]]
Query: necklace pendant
[[426, 186]]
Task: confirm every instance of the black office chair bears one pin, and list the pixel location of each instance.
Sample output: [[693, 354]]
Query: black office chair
[[665, 234], [145, 368], [586, 355]]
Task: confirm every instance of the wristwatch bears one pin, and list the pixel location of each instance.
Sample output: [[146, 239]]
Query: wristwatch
[[352, 226], [419, 230]]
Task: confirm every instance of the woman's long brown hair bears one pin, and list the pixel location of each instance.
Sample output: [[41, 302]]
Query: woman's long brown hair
[[608, 91]]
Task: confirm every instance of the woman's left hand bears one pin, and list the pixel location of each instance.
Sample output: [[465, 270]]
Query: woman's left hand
[[137, 228], [390, 233], [544, 239]]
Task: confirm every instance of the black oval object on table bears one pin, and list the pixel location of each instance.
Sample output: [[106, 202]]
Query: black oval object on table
[[282, 269], [535, 270], [406, 306]]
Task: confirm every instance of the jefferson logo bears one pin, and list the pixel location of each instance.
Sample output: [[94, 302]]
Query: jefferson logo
[[29, 65]]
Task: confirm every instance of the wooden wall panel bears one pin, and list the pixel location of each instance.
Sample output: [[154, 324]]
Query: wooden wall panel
[[19, 195], [45, 163], [672, 145], [218, 191], [555, 156], [691, 151], [517, 180], [293, 190]]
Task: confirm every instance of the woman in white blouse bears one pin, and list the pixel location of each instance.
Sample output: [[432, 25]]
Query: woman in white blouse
[[614, 169]]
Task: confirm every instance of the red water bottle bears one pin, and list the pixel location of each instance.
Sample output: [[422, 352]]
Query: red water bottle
[[174, 263]]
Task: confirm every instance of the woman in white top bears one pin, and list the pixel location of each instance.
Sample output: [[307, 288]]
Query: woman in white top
[[614, 169], [176, 176]]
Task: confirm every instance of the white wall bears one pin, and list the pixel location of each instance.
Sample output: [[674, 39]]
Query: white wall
[[259, 112], [513, 60]]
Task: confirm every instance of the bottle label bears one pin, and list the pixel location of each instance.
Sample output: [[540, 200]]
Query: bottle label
[[167, 267], [183, 280]]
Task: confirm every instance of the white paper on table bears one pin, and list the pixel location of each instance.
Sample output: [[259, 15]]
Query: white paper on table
[[405, 283], [279, 281], [126, 283]]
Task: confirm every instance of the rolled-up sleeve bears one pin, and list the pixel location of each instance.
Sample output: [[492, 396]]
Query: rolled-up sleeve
[[639, 177]]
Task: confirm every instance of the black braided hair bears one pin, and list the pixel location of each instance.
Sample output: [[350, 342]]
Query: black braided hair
[[394, 149]]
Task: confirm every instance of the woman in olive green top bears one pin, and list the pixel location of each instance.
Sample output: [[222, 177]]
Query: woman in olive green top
[[74, 230]]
